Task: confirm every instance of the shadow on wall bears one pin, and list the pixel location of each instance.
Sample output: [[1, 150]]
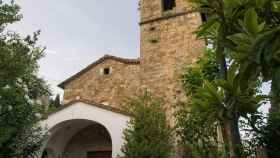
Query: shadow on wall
[[78, 139]]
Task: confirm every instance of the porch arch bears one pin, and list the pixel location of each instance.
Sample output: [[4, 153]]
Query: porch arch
[[80, 115]]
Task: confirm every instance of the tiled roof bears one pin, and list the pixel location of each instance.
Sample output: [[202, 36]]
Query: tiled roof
[[106, 57]]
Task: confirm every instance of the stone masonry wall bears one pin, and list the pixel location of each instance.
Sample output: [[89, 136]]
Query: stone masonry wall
[[152, 9], [167, 45], [110, 89]]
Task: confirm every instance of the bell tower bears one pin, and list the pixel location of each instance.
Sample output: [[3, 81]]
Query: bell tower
[[167, 44]]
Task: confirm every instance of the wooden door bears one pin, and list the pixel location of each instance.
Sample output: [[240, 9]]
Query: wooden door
[[99, 154]]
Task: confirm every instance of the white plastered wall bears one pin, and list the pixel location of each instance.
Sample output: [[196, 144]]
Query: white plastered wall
[[115, 123]]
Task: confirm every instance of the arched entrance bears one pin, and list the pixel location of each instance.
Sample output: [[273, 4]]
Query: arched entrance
[[78, 139], [81, 130]]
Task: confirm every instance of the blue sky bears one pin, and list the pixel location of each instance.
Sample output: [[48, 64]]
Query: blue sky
[[76, 32]]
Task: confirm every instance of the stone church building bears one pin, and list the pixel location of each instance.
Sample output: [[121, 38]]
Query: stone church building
[[90, 124]]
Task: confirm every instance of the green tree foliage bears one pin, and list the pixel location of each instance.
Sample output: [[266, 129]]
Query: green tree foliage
[[198, 133], [205, 68], [54, 104], [20, 136], [257, 50], [216, 29], [211, 100], [148, 134], [247, 31]]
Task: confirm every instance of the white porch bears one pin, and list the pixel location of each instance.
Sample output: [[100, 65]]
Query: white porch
[[82, 130]]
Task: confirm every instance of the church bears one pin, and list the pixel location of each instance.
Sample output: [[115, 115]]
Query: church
[[91, 121]]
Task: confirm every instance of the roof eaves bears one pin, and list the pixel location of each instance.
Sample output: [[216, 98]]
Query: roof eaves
[[98, 105], [106, 57]]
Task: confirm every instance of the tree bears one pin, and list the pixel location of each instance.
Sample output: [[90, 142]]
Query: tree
[[256, 49], [220, 25], [198, 134], [243, 31], [208, 106], [148, 134], [272, 131], [20, 136], [53, 104], [57, 103]]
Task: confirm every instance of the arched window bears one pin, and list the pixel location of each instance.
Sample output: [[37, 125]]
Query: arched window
[[168, 4]]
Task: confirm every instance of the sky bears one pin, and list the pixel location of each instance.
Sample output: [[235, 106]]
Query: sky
[[78, 32]]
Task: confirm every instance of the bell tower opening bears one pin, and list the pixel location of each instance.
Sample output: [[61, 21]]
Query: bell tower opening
[[168, 4]]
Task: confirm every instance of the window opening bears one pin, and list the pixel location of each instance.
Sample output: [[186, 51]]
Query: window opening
[[168, 4], [106, 71]]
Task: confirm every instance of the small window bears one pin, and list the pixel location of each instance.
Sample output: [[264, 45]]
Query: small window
[[203, 14], [106, 71], [168, 5], [203, 17]]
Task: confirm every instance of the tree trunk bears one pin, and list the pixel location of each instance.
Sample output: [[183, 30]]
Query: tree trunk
[[273, 148], [230, 129], [261, 152], [275, 91], [231, 137]]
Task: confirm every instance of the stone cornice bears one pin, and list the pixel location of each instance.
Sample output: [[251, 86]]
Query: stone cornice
[[167, 16]]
